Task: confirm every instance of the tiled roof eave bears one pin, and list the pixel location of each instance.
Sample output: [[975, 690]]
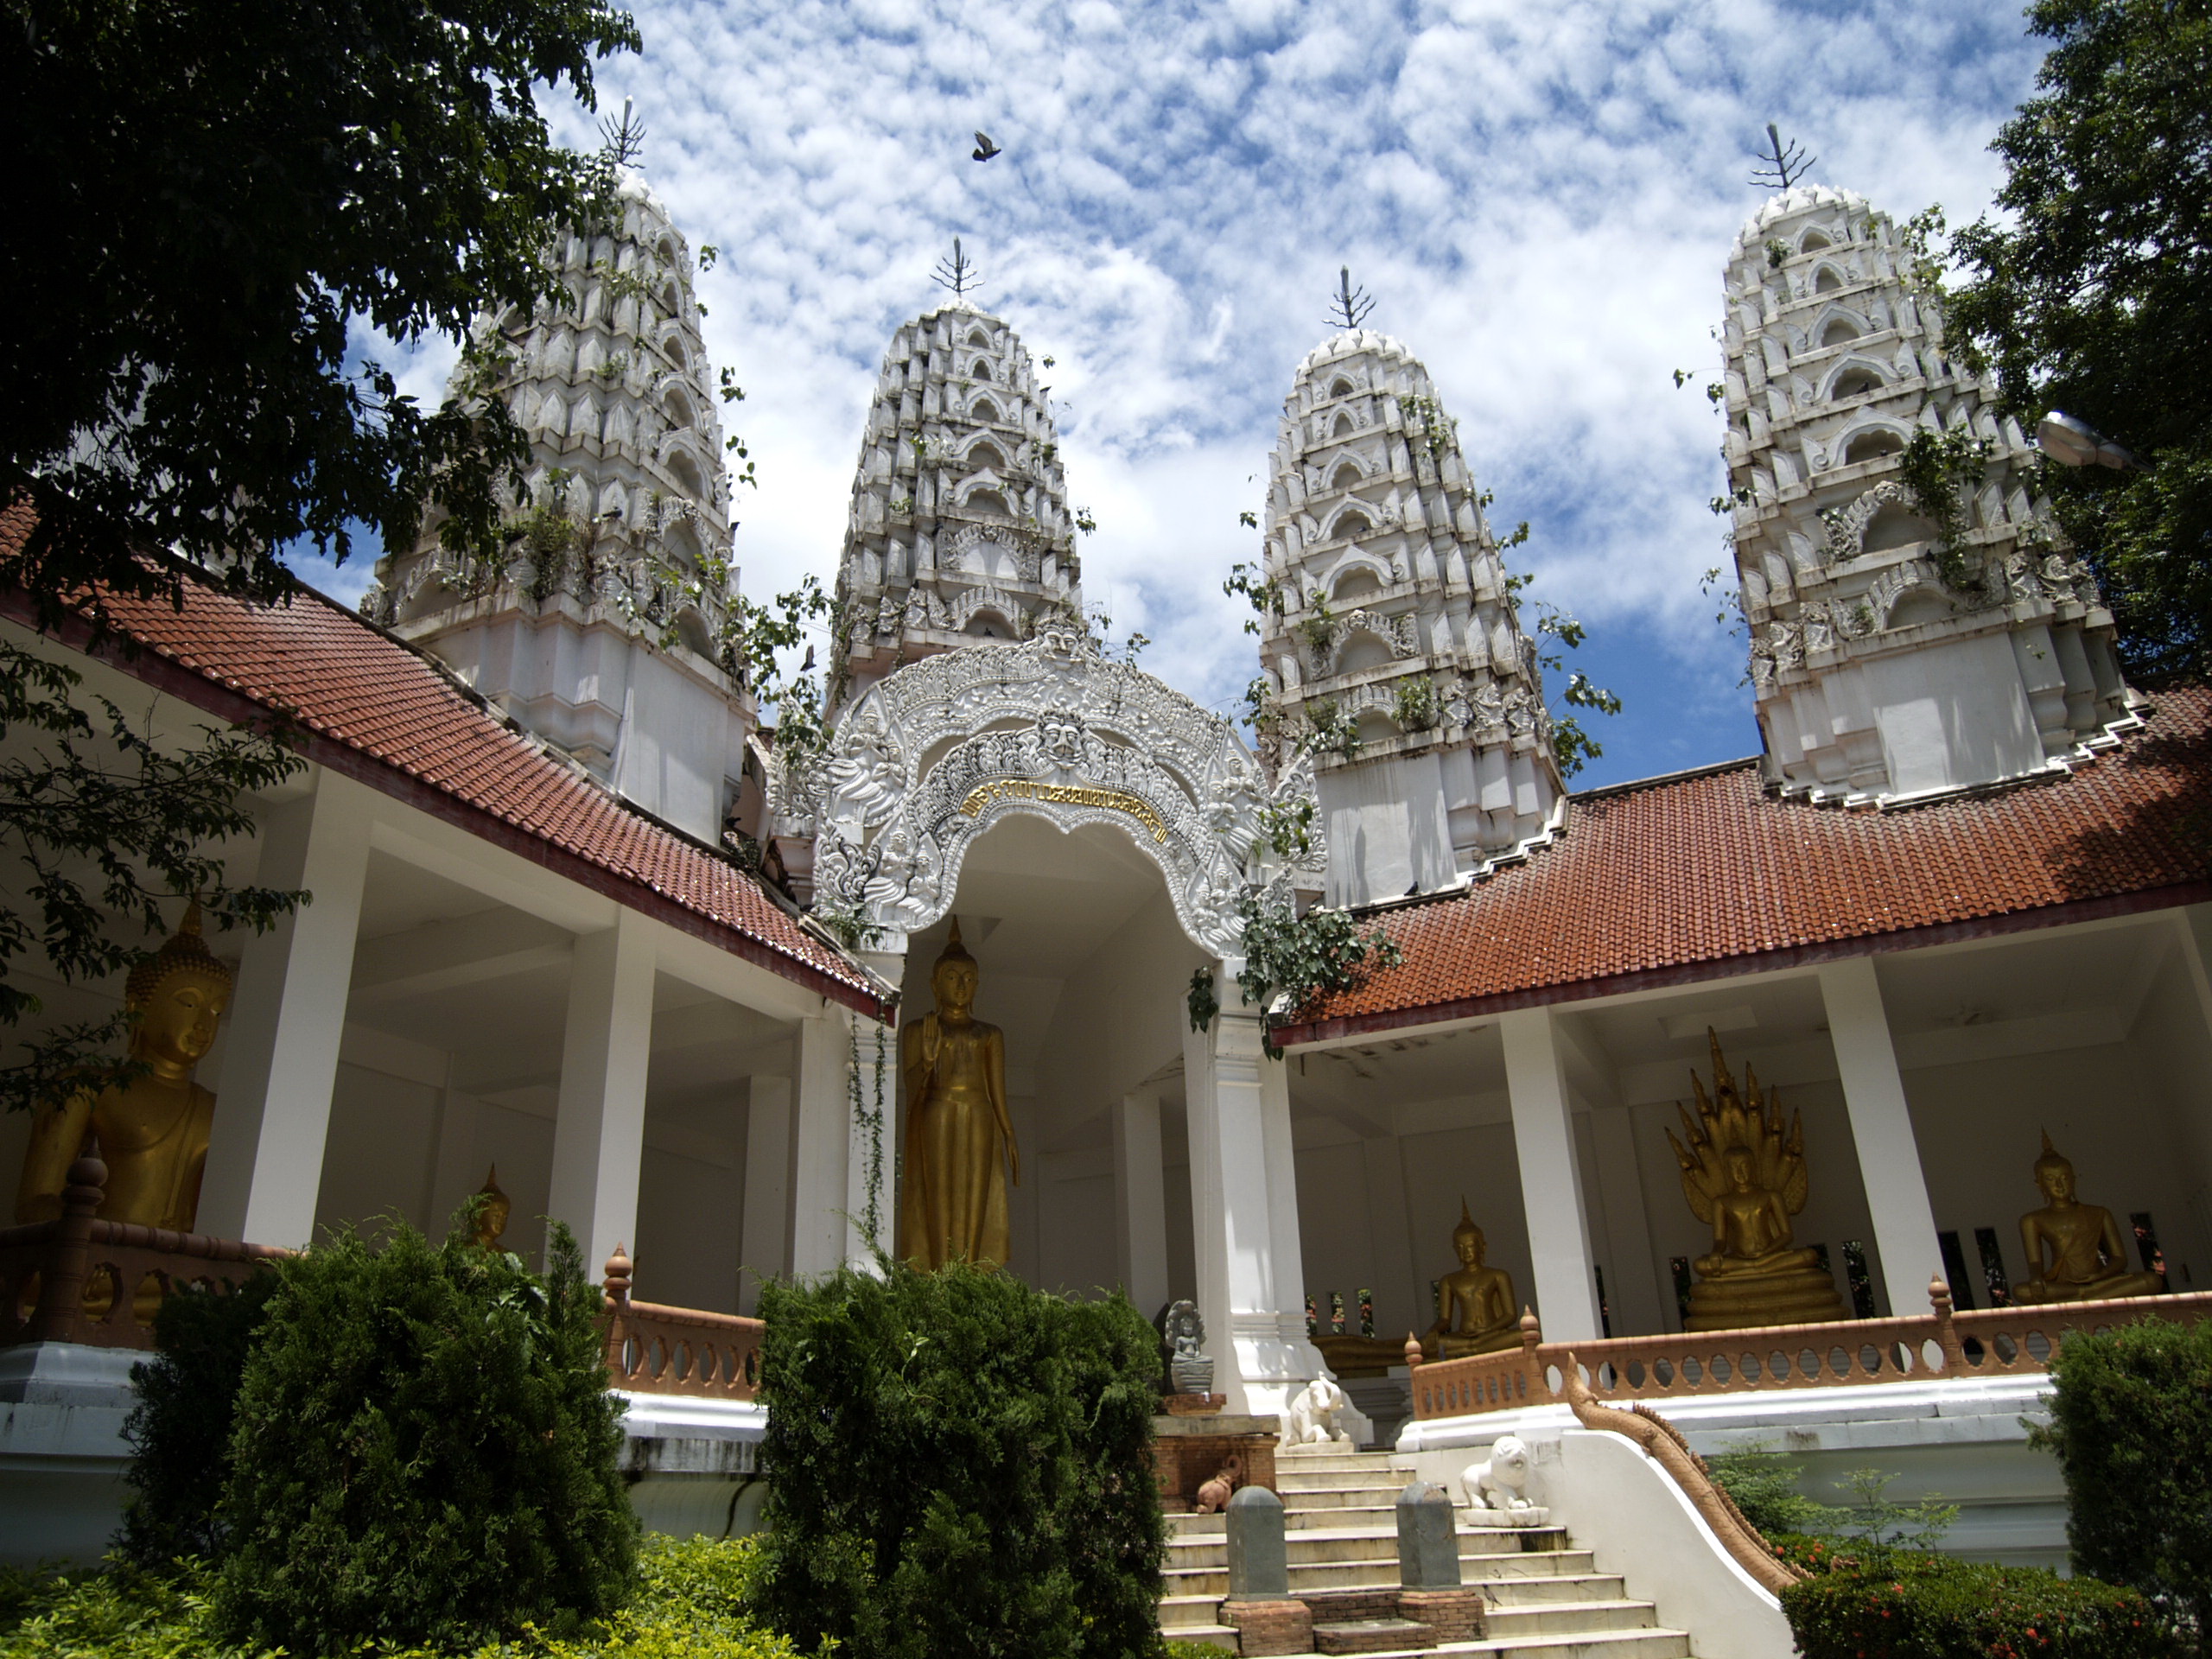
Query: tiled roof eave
[[190, 678], [1690, 972]]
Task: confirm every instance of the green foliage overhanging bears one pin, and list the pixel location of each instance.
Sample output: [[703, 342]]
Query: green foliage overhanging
[[2131, 1420], [207, 199], [1900, 1604], [958, 1468], [2093, 295], [691, 1602], [426, 1452], [180, 1432]]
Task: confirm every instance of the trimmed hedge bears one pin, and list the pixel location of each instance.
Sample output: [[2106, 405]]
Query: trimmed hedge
[[426, 1452], [2131, 1420], [959, 1467], [180, 1431], [1902, 1604]]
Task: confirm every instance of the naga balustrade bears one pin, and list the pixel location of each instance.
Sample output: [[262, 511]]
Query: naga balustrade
[[80, 1280], [1939, 1344]]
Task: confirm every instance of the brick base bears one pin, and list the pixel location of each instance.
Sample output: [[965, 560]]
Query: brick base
[[1456, 1615], [1273, 1626]]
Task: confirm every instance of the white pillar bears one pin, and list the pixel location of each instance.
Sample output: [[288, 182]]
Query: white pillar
[[1140, 1202], [1254, 1331], [1881, 1128], [1400, 1303], [1282, 1204], [822, 1238], [1637, 1308], [875, 1153], [1551, 1184], [272, 1114], [764, 1239], [599, 1133], [454, 1173]]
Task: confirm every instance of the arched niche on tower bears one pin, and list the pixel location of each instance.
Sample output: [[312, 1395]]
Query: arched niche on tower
[[940, 750]]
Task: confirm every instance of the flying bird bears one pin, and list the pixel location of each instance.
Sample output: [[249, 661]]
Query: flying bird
[[984, 148]]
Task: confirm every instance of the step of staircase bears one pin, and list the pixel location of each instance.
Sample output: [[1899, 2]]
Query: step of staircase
[[1547, 1599]]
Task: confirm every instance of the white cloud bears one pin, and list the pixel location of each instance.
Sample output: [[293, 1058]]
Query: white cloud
[[1540, 198]]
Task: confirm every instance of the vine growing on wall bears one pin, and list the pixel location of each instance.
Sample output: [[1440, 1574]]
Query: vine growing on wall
[[1428, 424], [1292, 963], [1203, 1001], [1938, 470], [871, 1121]]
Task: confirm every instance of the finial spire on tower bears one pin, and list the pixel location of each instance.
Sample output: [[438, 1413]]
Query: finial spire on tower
[[625, 137], [1786, 163], [955, 273], [1348, 306]]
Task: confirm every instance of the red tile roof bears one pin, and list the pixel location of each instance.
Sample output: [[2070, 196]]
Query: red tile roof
[[1704, 875], [367, 705]]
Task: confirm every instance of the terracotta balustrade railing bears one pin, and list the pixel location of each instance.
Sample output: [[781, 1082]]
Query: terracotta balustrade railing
[[78, 1278], [652, 1348], [81, 1280], [1940, 1344]]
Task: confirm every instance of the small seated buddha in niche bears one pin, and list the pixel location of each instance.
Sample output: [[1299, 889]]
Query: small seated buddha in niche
[[153, 1129], [2075, 1250], [1475, 1305], [1744, 1178], [492, 1216]]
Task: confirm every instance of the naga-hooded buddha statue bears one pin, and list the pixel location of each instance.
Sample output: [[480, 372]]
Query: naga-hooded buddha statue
[[1744, 1178], [152, 1129]]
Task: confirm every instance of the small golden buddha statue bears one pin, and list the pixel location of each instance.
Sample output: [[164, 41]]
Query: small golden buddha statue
[[960, 1146], [2086, 1260], [491, 1218], [153, 1129], [1744, 1178], [1475, 1305]]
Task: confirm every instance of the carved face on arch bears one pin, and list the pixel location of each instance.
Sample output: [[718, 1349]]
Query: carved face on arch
[[1061, 735]]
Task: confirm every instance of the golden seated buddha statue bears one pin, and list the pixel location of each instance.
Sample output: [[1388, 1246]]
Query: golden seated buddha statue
[[153, 1128], [1744, 1178], [1474, 1305], [2076, 1249]]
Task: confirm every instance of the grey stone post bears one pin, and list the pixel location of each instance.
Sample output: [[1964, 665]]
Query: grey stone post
[[1259, 1562], [1428, 1539]]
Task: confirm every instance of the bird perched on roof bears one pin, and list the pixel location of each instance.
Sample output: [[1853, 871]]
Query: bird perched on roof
[[984, 148]]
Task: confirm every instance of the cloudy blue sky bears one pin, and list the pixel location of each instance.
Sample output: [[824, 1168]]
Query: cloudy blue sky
[[1539, 196]]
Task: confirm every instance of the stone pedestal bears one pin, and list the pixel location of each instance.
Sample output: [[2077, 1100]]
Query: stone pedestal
[[1805, 1296], [1186, 1452], [1276, 1625]]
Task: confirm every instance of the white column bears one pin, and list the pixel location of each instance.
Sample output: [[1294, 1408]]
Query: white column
[[1254, 1330], [1637, 1309], [869, 1153], [599, 1133], [764, 1239], [264, 1154], [1390, 1238], [1140, 1202], [822, 1238], [1282, 1204], [1881, 1128], [454, 1173], [1551, 1184]]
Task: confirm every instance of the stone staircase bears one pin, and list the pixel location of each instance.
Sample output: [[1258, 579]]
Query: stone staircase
[[1545, 1599]]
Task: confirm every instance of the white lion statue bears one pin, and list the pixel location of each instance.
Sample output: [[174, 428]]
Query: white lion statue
[[1501, 1480], [1312, 1419]]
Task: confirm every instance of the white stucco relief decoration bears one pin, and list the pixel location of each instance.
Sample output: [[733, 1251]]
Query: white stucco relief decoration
[[1046, 728]]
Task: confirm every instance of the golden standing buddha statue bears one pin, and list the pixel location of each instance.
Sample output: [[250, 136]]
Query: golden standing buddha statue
[[959, 1140], [153, 1129], [1745, 1179], [2086, 1259], [1475, 1305]]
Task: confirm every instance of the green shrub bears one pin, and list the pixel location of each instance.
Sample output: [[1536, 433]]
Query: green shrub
[[1916, 1606], [181, 1428], [2131, 1420], [1763, 1484], [958, 1465], [425, 1453], [689, 1603]]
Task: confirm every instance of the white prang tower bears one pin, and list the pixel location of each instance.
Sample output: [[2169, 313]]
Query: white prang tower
[[1893, 657], [1397, 659], [959, 528], [604, 632]]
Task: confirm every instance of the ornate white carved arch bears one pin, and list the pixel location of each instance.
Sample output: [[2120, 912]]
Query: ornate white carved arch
[[939, 752]]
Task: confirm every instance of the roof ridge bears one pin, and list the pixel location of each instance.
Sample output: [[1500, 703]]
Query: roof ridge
[[1660, 780]]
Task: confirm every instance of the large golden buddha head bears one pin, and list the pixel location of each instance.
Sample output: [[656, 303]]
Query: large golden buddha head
[[1467, 1242], [178, 994], [953, 979], [2053, 1173]]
